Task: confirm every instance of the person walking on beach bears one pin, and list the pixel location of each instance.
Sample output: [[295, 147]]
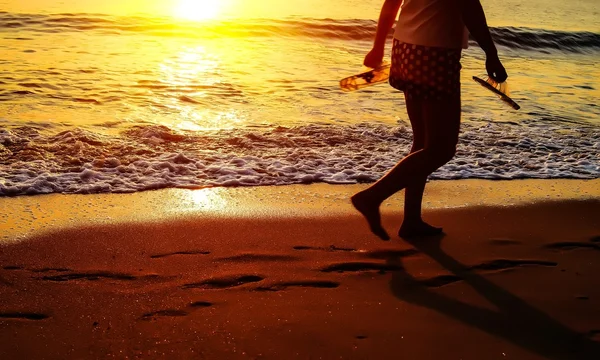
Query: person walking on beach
[[428, 40]]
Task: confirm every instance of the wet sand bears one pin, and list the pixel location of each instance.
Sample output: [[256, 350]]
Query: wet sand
[[293, 272]]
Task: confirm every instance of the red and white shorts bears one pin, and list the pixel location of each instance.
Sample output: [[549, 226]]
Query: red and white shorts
[[425, 72]]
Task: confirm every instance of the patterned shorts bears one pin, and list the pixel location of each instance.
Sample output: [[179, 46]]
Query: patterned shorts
[[425, 72]]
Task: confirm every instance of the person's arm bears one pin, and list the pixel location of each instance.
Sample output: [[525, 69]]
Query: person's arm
[[388, 14], [474, 19]]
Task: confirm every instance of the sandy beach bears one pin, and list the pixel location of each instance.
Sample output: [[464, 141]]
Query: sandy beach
[[293, 272], [176, 176]]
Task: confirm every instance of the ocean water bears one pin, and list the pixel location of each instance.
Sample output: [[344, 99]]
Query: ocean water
[[118, 98]]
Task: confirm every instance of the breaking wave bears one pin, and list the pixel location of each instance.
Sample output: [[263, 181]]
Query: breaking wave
[[349, 29], [150, 157]]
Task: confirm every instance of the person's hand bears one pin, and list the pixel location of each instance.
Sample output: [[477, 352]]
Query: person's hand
[[495, 69], [374, 58]]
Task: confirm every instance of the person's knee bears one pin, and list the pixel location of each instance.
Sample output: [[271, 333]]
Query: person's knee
[[446, 152], [442, 153]]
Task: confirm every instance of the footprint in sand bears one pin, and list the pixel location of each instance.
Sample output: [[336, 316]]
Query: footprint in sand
[[572, 246], [307, 283], [189, 252], [258, 257], [46, 270], [13, 267], [168, 313], [223, 283], [97, 275], [200, 304], [23, 316], [505, 264], [330, 248], [361, 266], [176, 312], [390, 254], [567, 245]]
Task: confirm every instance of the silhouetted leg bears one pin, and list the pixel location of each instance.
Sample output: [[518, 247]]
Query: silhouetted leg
[[442, 126], [413, 194], [442, 123]]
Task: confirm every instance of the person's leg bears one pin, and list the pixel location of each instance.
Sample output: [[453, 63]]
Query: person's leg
[[433, 113], [413, 194], [442, 124]]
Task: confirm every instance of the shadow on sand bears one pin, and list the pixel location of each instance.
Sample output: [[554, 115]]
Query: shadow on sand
[[516, 321]]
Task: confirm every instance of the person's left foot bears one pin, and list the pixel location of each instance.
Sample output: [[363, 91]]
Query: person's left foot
[[418, 229], [370, 210]]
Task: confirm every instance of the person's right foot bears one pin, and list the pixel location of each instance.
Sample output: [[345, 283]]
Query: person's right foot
[[418, 229], [370, 210]]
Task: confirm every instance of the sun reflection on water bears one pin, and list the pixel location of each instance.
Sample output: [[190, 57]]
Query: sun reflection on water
[[202, 120], [193, 68], [196, 84]]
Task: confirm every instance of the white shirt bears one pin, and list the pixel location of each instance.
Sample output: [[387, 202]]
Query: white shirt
[[436, 23]]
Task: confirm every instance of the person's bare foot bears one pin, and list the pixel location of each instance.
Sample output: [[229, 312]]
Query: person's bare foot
[[370, 210], [418, 229]]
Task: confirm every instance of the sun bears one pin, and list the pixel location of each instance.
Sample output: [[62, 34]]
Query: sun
[[198, 10]]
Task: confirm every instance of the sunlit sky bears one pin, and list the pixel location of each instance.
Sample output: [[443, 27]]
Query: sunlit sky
[[544, 14], [201, 9]]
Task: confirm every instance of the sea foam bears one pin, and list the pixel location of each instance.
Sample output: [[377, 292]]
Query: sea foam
[[153, 157]]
